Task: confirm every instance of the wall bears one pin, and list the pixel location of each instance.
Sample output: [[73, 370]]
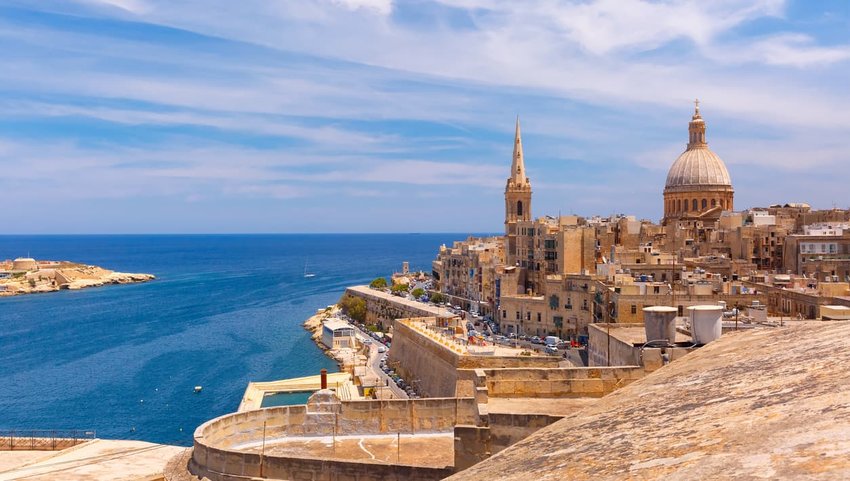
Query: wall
[[382, 308], [215, 457], [569, 382], [433, 367]]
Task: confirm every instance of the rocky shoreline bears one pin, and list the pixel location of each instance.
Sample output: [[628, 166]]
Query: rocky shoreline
[[345, 358], [51, 276]]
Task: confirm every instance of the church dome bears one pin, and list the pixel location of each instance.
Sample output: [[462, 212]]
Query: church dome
[[698, 166]]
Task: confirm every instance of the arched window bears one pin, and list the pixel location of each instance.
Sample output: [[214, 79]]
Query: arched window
[[714, 202], [694, 205], [519, 208], [686, 205], [704, 203], [679, 204]]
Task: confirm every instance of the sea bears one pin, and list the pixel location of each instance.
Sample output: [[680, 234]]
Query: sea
[[225, 310]]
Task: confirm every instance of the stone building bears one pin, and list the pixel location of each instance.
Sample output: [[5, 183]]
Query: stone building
[[698, 182]]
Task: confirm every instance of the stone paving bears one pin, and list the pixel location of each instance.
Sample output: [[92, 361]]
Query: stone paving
[[97, 460]]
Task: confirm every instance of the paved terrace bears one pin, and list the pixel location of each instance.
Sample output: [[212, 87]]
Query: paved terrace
[[97, 460], [761, 404]]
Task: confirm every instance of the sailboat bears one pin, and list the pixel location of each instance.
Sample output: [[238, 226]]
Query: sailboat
[[307, 275]]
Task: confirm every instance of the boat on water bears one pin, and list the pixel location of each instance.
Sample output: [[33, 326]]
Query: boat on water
[[307, 274]]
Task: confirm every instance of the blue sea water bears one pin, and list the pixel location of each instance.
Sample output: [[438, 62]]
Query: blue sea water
[[224, 310]]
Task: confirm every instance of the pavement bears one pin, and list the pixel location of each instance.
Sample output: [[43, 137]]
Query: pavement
[[373, 363], [96, 460]]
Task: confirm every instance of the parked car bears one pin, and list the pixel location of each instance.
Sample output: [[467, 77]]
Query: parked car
[[382, 349], [551, 350]]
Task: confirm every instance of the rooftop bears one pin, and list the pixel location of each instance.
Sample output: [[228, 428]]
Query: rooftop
[[763, 404]]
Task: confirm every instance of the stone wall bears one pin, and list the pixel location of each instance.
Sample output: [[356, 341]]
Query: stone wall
[[382, 308], [434, 366], [217, 455], [572, 382]]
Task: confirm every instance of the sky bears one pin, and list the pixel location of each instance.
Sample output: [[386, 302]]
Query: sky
[[215, 116]]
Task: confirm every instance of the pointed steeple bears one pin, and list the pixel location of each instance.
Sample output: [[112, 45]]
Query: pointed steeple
[[518, 165], [696, 130]]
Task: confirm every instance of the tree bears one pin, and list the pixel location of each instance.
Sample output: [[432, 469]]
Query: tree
[[398, 289], [418, 292], [437, 298], [378, 283], [354, 307]]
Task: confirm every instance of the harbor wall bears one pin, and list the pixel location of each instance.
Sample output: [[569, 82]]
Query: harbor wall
[[382, 308]]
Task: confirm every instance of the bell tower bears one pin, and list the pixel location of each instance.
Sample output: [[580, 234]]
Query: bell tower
[[517, 199]]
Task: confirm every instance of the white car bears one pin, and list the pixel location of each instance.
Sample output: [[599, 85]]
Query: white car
[[382, 349]]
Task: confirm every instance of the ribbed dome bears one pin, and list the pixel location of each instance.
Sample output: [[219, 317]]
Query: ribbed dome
[[697, 167]]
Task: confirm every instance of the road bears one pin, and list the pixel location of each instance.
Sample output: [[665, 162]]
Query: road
[[374, 364]]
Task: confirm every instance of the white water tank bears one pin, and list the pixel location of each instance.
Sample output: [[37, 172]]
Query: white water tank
[[706, 323], [660, 323]]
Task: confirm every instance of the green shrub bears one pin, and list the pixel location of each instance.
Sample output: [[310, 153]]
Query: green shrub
[[378, 283]]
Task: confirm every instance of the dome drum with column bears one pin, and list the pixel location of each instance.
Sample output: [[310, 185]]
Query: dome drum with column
[[698, 181]]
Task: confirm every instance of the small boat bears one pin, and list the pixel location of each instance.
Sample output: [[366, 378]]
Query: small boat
[[198, 389], [307, 275]]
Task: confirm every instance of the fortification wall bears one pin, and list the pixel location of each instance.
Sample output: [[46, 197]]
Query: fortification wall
[[434, 366], [418, 358], [569, 382], [383, 308], [217, 455]]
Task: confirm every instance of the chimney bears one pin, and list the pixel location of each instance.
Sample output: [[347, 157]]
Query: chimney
[[324, 375]]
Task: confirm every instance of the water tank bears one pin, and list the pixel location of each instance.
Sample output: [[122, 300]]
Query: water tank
[[660, 323], [706, 323]]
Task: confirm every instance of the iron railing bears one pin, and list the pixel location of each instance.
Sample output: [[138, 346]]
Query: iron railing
[[43, 439]]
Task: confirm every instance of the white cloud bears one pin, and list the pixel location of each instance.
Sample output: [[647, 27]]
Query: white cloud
[[383, 7]]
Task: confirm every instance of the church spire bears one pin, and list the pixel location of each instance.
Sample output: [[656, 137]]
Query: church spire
[[518, 165], [696, 130]]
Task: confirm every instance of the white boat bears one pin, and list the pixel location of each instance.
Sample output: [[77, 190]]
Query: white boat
[[307, 274], [198, 389]]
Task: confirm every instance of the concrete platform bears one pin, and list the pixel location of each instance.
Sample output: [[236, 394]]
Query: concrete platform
[[96, 460]]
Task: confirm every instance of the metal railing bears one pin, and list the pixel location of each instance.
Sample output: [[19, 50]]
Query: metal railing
[[43, 439]]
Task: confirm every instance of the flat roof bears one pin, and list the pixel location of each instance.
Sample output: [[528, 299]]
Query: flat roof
[[334, 324], [632, 333]]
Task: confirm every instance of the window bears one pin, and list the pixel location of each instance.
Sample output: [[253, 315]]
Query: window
[[517, 315], [634, 307], [528, 316], [554, 302], [584, 304], [714, 202], [519, 208], [686, 205], [504, 314], [538, 317], [694, 205], [704, 203]]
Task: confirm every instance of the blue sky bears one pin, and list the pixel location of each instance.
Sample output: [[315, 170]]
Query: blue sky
[[156, 116]]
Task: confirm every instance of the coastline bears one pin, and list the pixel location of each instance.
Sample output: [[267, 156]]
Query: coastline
[[345, 358], [52, 276]]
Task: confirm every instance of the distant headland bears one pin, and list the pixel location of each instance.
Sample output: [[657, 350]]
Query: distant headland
[[25, 275]]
